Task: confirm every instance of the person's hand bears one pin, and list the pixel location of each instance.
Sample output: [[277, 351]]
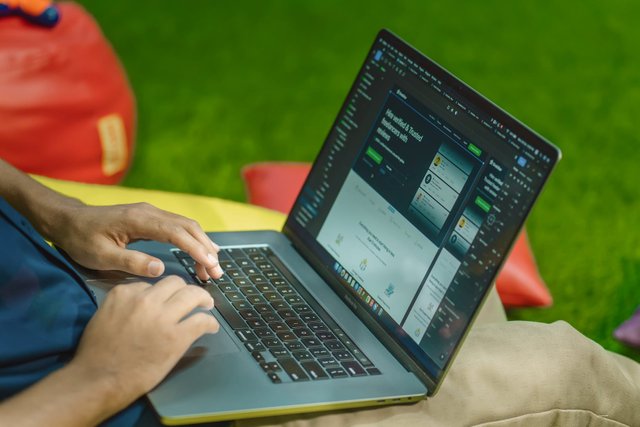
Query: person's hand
[[96, 237], [140, 332]]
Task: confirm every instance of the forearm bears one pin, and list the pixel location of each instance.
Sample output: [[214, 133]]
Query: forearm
[[68, 397], [41, 205]]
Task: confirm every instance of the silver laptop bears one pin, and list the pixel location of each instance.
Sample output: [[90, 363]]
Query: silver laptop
[[392, 245]]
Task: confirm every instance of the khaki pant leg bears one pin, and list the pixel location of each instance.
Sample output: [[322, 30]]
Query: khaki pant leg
[[512, 374]]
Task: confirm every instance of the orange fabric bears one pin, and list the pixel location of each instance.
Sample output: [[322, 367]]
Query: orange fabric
[[66, 109], [276, 185], [32, 7], [519, 283]]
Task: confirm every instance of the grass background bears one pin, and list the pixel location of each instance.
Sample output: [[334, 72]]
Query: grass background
[[221, 84]]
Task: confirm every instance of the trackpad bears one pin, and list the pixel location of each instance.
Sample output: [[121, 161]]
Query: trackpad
[[212, 344]]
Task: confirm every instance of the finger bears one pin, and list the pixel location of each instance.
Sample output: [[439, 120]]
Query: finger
[[197, 325], [173, 230], [185, 300], [165, 288], [196, 231], [131, 261], [201, 271]]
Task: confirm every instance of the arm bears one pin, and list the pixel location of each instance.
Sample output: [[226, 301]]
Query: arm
[[96, 236], [130, 345]]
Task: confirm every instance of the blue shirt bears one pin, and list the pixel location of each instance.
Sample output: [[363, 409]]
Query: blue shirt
[[44, 308]]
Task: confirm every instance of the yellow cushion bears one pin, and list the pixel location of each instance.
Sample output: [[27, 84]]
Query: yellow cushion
[[212, 214]]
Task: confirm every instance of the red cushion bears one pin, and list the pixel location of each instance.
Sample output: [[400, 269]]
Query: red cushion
[[276, 185], [66, 109]]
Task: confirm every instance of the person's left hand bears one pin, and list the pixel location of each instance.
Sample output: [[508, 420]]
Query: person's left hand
[[96, 237]]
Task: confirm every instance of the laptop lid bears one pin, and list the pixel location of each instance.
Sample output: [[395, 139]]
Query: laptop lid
[[415, 200]]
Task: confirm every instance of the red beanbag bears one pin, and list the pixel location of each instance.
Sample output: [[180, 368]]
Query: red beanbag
[[276, 185], [66, 108]]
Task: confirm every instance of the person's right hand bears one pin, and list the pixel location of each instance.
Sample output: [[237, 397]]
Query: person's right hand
[[140, 332]]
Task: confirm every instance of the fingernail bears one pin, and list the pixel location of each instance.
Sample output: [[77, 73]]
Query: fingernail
[[219, 270], [213, 260], [155, 268]]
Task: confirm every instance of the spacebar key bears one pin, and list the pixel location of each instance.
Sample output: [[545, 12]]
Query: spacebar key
[[293, 369], [225, 308]]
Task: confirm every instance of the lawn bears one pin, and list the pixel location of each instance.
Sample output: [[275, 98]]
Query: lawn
[[222, 84]]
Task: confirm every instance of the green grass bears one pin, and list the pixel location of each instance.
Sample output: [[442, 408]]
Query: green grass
[[222, 84]]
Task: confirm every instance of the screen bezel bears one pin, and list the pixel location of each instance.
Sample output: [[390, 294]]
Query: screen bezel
[[306, 244]]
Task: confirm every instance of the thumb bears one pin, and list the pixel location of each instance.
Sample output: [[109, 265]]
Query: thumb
[[133, 262]]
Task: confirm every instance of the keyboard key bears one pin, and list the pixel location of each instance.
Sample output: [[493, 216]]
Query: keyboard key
[[279, 327], [271, 274], [227, 265], [279, 283], [272, 296], [309, 317], [317, 326], [353, 368], [279, 352], [257, 279], [294, 345], [256, 257], [256, 299], [227, 311], [312, 342], [293, 299], [249, 291], [334, 345], [255, 323], [287, 314], [327, 362], [274, 378], [264, 333], [286, 336], [242, 282], [270, 367], [325, 336], [265, 288], [233, 252], [243, 262], [227, 287], [373, 371], [270, 317], [250, 270], [314, 370], [337, 372], [303, 333], [271, 342], [249, 314], [234, 273], [302, 355], [279, 305], [258, 356], [286, 290], [223, 279], [246, 335], [264, 265], [241, 305], [233, 296], [292, 369], [301, 308], [255, 346], [263, 308], [295, 323], [342, 355]]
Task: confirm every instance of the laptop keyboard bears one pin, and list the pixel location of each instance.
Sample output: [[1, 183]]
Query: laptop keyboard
[[288, 338]]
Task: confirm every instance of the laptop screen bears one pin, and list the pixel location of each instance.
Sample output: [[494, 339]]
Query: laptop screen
[[416, 196]]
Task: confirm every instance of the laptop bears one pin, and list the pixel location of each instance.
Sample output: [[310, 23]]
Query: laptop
[[366, 295]]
